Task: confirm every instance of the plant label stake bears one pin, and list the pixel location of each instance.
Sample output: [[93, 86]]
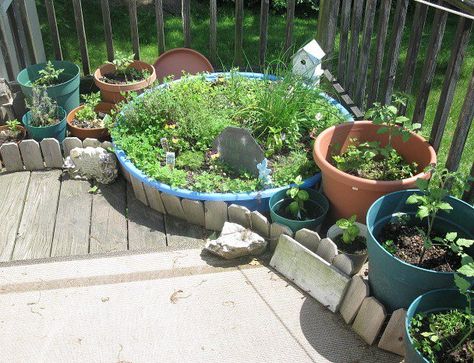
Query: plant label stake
[[307, 62], [170, 159]]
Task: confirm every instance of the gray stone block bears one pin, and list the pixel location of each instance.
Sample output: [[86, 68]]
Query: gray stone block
[[344, 264], [215, 215], [70, 143], [88, 142], [138, 190], [194, 211], [357, 292], [394, 334], [276, 230], [172, 205], [53, 158], [369, 320], [309, 239], [240, 215], [153, 196], [31, 155], [327, 249], [260, 224], [11, 156]]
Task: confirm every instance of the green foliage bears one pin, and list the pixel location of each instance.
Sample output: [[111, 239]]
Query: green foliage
[[286, 167], [192, 160], [43, 108], [48, 75], [13, 126], [350, 230], [87, 113], [389, 246], [122, 62], [298, 197]]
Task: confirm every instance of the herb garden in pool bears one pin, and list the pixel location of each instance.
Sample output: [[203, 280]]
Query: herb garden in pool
[[171, 137]]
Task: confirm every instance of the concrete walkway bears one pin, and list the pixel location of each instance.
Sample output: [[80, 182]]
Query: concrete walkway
[[177, 306]]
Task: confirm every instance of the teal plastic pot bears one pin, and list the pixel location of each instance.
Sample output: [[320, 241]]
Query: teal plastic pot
[[431, 302], [394, 282], [66, 94], [57, 131], [316, 200]]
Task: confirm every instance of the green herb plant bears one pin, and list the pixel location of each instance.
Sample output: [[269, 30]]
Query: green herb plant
[[122, 64], [350, 229], [298, 198], [44, 110], [87, 112], [49, 75], [13, 126]]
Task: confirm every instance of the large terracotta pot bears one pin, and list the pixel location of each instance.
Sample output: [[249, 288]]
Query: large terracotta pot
[[112, 92], [97, 133], [351, 195]]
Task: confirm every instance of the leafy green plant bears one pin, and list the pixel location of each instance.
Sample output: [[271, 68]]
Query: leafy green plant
[[44, 110], [49, 75], [432, 199], [389, 246], [87, 113], [122, 62], [192, 160], [298, 197], [13, 126], [350, 230]]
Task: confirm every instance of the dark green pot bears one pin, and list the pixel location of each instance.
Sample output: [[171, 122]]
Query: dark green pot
[[431, 302], [57, 131], [394, 282], [319, 201], [66, 94]]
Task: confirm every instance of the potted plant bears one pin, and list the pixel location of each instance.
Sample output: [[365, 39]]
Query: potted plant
[[299, 208], [45, 118], [121, 76], [364, 160], [12, 131], [61, 79], [408, 252], [351, 240], [88, 120], [439, 325]]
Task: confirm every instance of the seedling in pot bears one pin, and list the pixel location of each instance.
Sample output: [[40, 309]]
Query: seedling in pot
[[299, 197], [48, 75], [124, 72], [350, 229], [44, 110], [87, 117], [11, 132]]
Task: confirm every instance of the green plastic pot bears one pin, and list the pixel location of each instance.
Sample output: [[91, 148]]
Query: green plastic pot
[[66, 94], [318, 200], [57, 131], [431, 302], [394, 282]]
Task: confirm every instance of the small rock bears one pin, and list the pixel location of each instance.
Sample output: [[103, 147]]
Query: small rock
[[92, 163], [236, 241]]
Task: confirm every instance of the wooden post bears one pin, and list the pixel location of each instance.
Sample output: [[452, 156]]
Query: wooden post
[[213, 31], [160, 26], [290, 19], [357, 11], [33, 31], [239, 32], [107, 29], [186, 15], [343, 42], [264, 9], [81, 35], [53, 25], [327, 24], [132, 11]]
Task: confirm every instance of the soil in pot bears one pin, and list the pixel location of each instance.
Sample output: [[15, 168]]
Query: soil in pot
[[313, 210], [7, 135], [357, 247], [131, 76], [405, 241], [96, 123]]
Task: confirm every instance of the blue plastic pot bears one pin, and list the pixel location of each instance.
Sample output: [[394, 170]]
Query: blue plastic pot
[[66, 94], [316, 200], [252, 200], [394, 282], [57, 131], [431, 302]]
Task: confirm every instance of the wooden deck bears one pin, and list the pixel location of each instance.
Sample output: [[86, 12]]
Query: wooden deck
[[46, 214]]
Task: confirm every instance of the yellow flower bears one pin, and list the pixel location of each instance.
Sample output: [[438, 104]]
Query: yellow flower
[[215, 156]]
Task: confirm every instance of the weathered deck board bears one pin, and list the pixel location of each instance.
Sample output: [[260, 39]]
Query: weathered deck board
[[108, 222], [146, 227], [35, 233], [13, 188], [71, 233], [182, 235]]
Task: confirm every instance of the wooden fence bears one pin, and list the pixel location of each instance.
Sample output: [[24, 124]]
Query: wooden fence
[[365, 71]]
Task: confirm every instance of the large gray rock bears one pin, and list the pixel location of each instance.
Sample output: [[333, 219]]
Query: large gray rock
[[236, 241], [92, 163]]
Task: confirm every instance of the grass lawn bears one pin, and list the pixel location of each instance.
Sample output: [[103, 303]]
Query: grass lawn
[[305, 29]]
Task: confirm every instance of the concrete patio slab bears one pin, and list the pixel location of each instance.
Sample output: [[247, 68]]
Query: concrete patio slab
[[166, 307]]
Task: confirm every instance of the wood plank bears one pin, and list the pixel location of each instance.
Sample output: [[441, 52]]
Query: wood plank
[[52, 153], [53, 28], [146, 227], [419, 19], [81, 36], [394, 51], [186, 16], [108, 222], [290, 24], [343, 40], [109, 43], [71, 232], [327, 24], [462, 128], [160, 26], [31, 155], [182, 235], [8, 47], [35, 234], [33, 29], [458, 50], [468, 195], [154, 198], [356, 20], [429, 67], [239, 32], [262, 51], [213, 31], [382, 28], [365, 52], [132, 11], [18, 21], [12, 199], [11, 156], [137, 186]]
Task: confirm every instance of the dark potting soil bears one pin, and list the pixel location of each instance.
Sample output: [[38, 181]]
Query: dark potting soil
[[358, 247], [313, 211], [408, 240], [98, 122], [132, 76], [8, 136]]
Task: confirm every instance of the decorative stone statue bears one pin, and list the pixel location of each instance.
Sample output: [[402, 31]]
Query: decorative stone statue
[[92, 163]]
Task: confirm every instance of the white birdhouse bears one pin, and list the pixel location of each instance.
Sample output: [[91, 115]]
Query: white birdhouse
[[307, 61]]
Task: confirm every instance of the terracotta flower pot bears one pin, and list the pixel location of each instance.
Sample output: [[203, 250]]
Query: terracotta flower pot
[[82, 133], [112, 92], [350, 194], [22, 133]]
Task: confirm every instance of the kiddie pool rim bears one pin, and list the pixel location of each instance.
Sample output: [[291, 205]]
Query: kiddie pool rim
[[225, 197]]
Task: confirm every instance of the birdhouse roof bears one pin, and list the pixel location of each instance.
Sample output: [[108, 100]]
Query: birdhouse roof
[[314, 50]]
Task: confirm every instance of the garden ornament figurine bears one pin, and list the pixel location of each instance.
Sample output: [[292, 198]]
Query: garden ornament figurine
[[307, 62]]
